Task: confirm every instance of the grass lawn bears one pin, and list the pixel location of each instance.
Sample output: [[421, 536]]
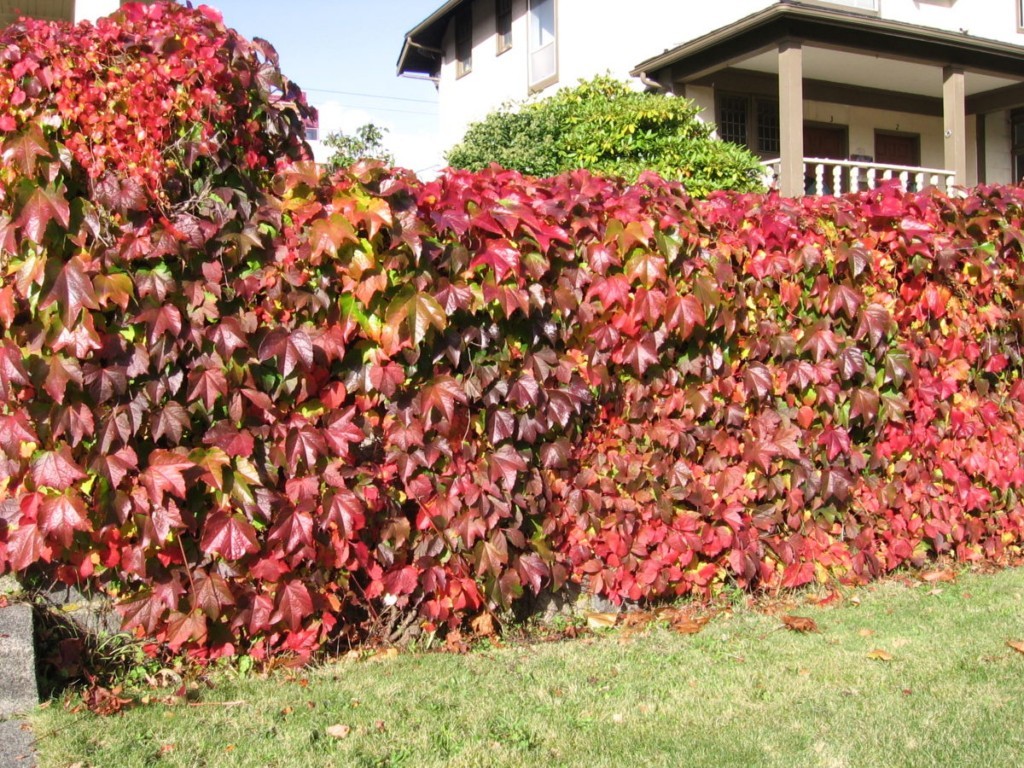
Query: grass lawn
[[901, 674]]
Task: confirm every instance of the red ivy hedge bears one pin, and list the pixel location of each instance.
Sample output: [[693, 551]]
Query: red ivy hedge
[[259, 406]]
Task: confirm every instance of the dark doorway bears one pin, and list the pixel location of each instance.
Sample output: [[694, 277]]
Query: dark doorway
[[897, 148], [829, 142], [825, 141]]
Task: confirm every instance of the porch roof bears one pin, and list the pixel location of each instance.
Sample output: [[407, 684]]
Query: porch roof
[[995, 64]]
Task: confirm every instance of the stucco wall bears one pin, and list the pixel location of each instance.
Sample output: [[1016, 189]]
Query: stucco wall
[[93, 9], [992, 19], [594, 36]]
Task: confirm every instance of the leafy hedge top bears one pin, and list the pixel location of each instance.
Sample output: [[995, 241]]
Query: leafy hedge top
[[268, 411], [605, 126]]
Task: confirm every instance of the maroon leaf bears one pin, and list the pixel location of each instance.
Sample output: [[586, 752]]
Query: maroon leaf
[[207, 384], [874, 323], [183, 628], [292, 531], [56, 469], [212, 593], [685, 312], [73, 291], [820, 341], [62, 372], [26, 546], [500, 255], [62, 515], [344, 511], [42, 207], [230, 536], [340, 432], [144, 611], [232, 441], [292, 349], [851, 362], [22, 151], [12, 372], [227, 336], [293, 604], [844, 299], [864, 403], [164, 475], [505, 465], [170, 422], [836, 441], [758, 380], [492, 555]]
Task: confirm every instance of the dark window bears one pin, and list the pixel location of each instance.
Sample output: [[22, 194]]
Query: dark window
[[503, 24], [732, 119], [769, 135], [464, 43], [750, 121]]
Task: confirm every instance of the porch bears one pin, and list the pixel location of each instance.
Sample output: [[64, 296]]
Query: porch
[[840, 100], [828, 176]]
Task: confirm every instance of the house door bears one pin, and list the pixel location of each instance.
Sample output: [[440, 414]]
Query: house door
[[897, 149], [824, 141]]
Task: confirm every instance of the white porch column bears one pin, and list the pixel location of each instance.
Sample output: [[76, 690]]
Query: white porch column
[[954, 120], [791, 119]]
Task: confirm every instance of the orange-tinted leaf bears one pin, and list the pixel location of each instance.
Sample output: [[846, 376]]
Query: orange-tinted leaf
[[800, 624]]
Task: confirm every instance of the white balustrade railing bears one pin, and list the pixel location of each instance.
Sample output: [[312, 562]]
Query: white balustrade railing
[[824, 176]]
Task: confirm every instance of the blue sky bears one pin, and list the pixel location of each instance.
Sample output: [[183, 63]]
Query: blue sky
[[343, 54]]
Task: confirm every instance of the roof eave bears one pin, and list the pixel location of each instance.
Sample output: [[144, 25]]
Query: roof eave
[[997, 52], [425, 37]]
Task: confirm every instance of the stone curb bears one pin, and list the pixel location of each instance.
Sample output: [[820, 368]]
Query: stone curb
[[19, 692]]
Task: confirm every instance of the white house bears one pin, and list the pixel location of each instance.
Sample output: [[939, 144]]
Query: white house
[[932, 90], [57, 10]]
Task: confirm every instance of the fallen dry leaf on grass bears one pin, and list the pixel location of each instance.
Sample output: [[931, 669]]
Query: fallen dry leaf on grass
[[383, 655], [1017, 645], [339, 731], [866, 632], [800, 624], [940, 575], [689, 626], [879, 655], [483, 625], [597, 620], [454, 643]]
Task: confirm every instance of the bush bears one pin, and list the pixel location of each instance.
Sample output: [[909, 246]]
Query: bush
[[367, 143], [604, 126], [267, 410]]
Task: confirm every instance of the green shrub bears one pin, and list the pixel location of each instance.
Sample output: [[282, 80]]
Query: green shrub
[[604, 126]]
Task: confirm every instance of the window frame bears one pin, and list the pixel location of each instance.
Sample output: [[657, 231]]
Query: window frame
[[539, 84], [463, 42], [755, 106], [503, 25]]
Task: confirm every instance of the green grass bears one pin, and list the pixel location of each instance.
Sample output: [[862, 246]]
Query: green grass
[[740, 693]]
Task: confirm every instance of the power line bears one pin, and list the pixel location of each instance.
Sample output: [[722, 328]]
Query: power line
[[389, 109], [372, 95]]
